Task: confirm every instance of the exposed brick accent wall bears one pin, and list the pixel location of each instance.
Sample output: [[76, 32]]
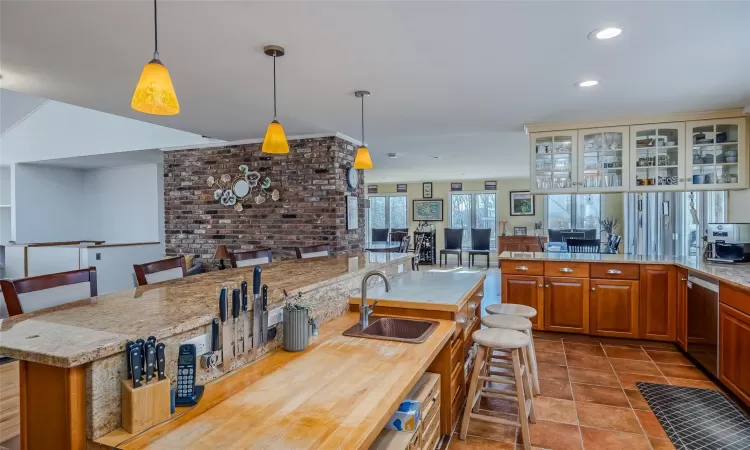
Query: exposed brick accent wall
[[311, 179]]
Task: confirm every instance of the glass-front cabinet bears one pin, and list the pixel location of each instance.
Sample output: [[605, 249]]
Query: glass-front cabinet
[[718, 159], [553, 162], [657, 157], [602, 159]]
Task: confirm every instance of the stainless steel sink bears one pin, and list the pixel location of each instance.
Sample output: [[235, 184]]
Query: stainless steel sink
[[398, 329]]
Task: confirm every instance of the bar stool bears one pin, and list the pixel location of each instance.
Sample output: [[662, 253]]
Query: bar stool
[[527, 312], [516, 323], [515, 343]]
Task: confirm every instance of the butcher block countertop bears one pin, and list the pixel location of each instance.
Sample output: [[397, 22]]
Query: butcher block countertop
[[77, 333], [337, 394], [434, 290], [737, 275]]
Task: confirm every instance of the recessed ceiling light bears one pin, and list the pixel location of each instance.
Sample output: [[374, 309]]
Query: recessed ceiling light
[[587, 83], [605, 33], [392, 155], [435, 157]]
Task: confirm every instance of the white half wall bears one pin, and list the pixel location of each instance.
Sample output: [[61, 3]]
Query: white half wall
[[114, 271]]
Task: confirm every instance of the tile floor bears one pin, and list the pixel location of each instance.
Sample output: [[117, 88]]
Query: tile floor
[[588, 396]]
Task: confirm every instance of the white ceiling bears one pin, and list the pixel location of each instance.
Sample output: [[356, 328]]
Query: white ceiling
[[107, 160], [451, 79], [15, 107]]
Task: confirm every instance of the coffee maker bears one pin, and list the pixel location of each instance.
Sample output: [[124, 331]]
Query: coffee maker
[[729, 242]]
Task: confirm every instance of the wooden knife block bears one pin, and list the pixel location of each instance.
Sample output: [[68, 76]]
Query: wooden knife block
[[146, 406]]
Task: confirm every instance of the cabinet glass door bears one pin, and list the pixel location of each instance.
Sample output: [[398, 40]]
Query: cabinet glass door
[[603, 159], [657, 157], [552, 162], [717, 154]]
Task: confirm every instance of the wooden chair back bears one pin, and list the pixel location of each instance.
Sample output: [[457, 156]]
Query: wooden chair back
[[313, 251], [405, 241], [379, 235], [30, 294], [583, 245], [250, 258], [480, 238], [162, 270], [397, 236], [454, 238]]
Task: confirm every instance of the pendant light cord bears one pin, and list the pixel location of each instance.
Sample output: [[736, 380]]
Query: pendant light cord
[[156, 35], [363, 121], [274, 85]]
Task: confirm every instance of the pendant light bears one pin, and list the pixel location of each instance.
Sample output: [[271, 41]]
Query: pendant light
[[154, 93], [362, 160], [275, 140]]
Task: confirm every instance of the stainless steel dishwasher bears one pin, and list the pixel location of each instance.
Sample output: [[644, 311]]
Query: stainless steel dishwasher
[[703, 322]]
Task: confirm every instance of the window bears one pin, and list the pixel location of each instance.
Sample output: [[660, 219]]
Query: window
[[386, 211], [574, 211], [475, 210]]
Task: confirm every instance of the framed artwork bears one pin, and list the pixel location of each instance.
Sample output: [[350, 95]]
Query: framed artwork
[[400, 188], [521, 203], [426, 190], [490, 185], [519, 231], [427, 210], [372, 189], [352, 214], [457, 186]]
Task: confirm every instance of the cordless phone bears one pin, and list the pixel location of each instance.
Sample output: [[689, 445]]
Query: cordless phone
[[186, 371]]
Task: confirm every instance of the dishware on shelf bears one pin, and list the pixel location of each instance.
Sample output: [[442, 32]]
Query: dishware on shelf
[[671, 143], [697, 179], [731, 159], [708, 159], [705, 141], [721, 137], [698, 137], [730, 152]]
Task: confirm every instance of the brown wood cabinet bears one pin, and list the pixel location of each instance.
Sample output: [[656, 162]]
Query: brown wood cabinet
[[682, 319], [658, 302], [566, 304], [525, 290], [519, 243], [734, 351], [614, 308]]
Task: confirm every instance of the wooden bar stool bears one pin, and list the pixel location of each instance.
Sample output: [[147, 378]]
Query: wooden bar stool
[[515, 343], [516, 323], [526, 312]]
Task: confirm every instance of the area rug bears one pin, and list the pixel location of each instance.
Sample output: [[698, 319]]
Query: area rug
[[696, 418]]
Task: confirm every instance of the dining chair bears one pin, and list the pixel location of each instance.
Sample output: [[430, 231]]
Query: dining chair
[[397, 236], [584, 245], [480, 244], [379, 235], [400, 230], [405, 241], [26, 295], [250, 258], [539, 241], [614, 244], [572, 235], [417, 251], [453, 245], [162, 270], [313, 251]]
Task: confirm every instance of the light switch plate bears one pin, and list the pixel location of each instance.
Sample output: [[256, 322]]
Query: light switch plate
[[202, 343], [400, 268], [275, 316]]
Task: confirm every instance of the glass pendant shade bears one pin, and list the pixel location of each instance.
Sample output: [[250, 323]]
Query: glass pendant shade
[[362, 160], [275, 140], [154, 93]]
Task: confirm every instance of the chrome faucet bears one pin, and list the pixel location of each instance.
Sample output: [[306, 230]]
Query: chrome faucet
[[365, 311]]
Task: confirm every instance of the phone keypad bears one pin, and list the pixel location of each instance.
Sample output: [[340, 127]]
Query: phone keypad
[[185, 381]]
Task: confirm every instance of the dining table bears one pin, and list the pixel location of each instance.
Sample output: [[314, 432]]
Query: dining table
[[383, 247]]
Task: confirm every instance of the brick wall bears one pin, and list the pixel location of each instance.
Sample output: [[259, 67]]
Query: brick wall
[[311, 179]]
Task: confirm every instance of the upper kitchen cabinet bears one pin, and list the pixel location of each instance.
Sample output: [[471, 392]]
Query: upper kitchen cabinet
[[602, 159], [718, 156], [553, 162], [657, 157]]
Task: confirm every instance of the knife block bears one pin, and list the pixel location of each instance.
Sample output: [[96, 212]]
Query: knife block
[[146, 406]]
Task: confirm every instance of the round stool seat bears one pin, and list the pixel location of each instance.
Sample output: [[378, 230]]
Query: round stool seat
[[513, 310], [499, 338], [506, 321]]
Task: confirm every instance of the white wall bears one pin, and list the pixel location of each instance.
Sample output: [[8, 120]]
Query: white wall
[[739, 206], [114, 271]]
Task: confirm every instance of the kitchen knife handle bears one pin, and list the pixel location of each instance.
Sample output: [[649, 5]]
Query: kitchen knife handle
[[150, 362], [235, 303], [264, 296], [152, 340], [215, 346], [128, 348], [141, 344], [135, 362], [223, 304], [243, 287], [256, 280], [160, 360]]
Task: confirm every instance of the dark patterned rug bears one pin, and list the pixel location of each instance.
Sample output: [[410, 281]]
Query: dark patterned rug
[[697, 418]]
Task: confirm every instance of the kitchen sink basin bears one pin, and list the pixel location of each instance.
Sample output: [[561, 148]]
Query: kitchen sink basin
[[398, 329]]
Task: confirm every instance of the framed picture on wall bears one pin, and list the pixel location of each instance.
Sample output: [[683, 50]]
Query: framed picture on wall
[[457, 186], [372, 189], [427, 210], [352, 214], [426, 190], [400, 188], [521, 203], [490, 185], [519, 231]]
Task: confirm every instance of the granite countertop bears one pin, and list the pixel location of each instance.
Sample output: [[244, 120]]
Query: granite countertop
[[431, 289], [336, 394], [77, 333], [734, 274]]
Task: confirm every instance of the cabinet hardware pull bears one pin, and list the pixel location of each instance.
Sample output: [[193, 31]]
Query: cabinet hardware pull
[[566, 270], [480, 294], [683, 279], [461, 320], [546, 285], [541, 285], [524, 268], [593, 289], [472, 305], [614, 272]]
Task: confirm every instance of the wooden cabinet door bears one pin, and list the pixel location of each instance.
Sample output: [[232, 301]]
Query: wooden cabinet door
[[614, 308], [566, 305], [525, 290], [734, 351], [682, 320], [658, 302]]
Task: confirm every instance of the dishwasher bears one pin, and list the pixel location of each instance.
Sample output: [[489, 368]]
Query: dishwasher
[[703, 322]]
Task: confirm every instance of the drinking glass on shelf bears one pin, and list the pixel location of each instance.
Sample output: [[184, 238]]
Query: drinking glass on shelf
[[618, 141], [609, 140], [598, 141]]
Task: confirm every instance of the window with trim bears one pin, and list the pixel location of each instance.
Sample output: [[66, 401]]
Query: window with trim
[[474, 210], [386, 211], [565, 212]]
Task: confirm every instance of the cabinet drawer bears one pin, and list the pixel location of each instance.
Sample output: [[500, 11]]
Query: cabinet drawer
[[431, 417], [566, 269], [615, 271], [456, 385], [522, 267], [458, 402], [430, 429]]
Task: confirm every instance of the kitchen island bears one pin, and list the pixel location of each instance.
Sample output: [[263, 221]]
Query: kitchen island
[[72, 356]]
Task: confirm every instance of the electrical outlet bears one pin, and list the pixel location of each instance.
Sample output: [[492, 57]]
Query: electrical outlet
[[98, 256], [400, 268], [275, 316], [202, 343]]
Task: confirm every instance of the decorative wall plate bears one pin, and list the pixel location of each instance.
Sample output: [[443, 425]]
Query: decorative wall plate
[[233, 190]]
